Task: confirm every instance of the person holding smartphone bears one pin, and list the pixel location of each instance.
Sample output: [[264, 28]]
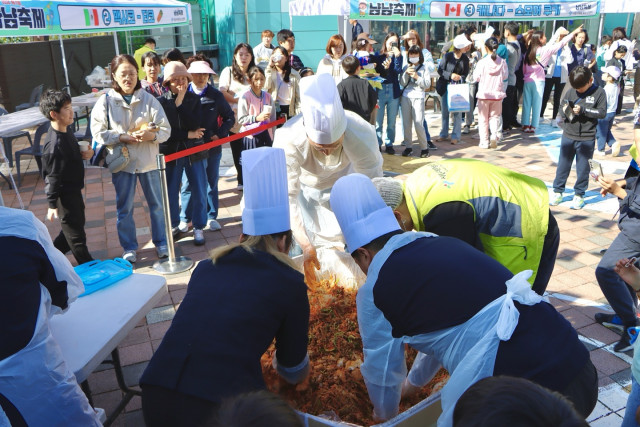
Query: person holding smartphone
[[389, 63]]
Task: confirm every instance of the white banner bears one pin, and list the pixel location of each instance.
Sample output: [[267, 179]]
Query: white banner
[[513, 10], [113, 18]]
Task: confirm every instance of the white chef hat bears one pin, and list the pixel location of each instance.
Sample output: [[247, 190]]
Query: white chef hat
[[360, 211], [461, 41], [322, 112], [266, 199], [390, 190]]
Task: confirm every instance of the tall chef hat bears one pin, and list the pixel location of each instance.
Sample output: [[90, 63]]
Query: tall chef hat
[[266, 199], [322, 112], [362, 214]]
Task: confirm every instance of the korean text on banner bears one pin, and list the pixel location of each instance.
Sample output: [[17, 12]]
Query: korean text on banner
[[425, 10]]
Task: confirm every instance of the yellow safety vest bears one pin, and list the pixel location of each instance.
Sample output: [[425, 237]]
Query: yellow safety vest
[[511, 210]]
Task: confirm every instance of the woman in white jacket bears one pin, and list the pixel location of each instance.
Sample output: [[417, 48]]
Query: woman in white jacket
[[619, 35], [332, 61], [557, 77], [123, 116]]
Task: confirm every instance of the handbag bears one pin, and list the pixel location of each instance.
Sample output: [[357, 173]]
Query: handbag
[[118, 154], [202, 155], [458, 98]]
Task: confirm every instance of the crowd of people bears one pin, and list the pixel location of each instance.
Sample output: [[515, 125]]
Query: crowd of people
[[315, 183]]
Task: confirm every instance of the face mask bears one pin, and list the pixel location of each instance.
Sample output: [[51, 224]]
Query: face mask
[[277, 58], [414, 60]]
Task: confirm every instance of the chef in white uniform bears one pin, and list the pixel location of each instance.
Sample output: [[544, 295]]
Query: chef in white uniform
[[37, 282], [322, 144]]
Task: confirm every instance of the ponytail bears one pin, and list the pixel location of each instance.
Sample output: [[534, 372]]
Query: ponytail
[[492, 46]]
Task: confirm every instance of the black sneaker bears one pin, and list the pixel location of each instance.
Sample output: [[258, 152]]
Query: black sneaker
[[424, 153], [517, 125], [624, 344], [407, 151], [389, 149], [431, 145], [609, 320]]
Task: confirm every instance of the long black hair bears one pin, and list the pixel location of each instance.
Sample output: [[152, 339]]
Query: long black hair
[[286, 70], [236, 71]]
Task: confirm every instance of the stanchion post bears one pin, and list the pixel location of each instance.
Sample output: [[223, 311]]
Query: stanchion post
[[173, 264]]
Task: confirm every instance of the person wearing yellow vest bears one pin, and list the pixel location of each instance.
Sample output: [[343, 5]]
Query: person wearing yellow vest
[[148, 46], [498, 211]]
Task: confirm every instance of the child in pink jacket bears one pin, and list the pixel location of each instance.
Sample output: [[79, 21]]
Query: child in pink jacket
[[491, 73], [535, 60]]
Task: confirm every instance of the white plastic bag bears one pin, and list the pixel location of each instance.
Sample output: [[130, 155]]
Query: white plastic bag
[[97, 77], [458, 98]]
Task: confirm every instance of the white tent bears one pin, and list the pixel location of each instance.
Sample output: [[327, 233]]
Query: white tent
[[319, 7], [49, 18]]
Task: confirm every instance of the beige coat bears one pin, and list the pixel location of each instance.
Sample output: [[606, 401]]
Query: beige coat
[[327, 65], [123, 118], [271, 86]]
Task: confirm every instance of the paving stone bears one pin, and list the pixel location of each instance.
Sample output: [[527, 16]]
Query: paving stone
[[598, 412], [600, 240], [569, 264], [614, 398], [607, 362], [132, 373], [160, 314], [623, 377], [611, 420]]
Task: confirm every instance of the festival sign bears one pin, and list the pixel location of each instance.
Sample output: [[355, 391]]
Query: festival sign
[[428, 10], [35, 18]]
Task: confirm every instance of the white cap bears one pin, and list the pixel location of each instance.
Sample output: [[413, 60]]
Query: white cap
[[266, 198], [390, 190], [322, 112], [613, 71], [360, 211], [200, 67], [461, 41]]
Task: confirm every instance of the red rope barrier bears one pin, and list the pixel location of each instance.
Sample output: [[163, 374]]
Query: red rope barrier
[[217, 142]]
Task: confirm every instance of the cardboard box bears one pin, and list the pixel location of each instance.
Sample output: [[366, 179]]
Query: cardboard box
[[423, 414]]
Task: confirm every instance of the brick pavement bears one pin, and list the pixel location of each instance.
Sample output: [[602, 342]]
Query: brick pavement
[[573, 289]]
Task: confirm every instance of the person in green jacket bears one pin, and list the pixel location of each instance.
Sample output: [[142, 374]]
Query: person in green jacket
[[500, 212]]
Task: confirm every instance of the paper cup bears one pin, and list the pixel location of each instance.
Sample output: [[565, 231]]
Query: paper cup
[[84, 145], [267, 109]]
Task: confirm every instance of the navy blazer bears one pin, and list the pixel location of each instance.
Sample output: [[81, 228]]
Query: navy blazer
[[230, 315]]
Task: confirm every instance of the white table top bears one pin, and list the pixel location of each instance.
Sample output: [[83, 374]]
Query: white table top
[[95, 324], [31, 117]]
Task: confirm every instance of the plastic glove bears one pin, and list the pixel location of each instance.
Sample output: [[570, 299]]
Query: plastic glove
[[52, 213], [310, 263], [408, 389]]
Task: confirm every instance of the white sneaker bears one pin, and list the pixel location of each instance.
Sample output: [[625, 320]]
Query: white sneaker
[[162, 251], [183, 227], [615, 149], [556, 199], [577, 203], [481, 145], [543, 121], [129, 256], [554, 124], [214, 225], [493, 143], [599, 153], [198, 237]]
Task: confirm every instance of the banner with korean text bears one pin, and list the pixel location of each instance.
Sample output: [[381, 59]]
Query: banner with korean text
[[37, 18], [428, 10]]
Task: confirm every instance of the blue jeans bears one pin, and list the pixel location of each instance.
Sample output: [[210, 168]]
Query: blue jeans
[[620, 296], [386, 101], [457, 121], [426, 130], [532, 103], [603, 131], [633, 402], [213, 174], [197, 177], [125, 185], [582, 151]]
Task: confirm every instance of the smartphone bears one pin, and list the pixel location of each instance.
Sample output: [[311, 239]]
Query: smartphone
[[394, 44], [595, 169], [571, 104]]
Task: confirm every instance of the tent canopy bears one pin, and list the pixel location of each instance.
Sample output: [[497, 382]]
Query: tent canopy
[[319, 7], [438, 10], [620, 6], [47, 18]]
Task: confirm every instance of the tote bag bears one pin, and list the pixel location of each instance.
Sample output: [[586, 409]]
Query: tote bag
[[458, 98]]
